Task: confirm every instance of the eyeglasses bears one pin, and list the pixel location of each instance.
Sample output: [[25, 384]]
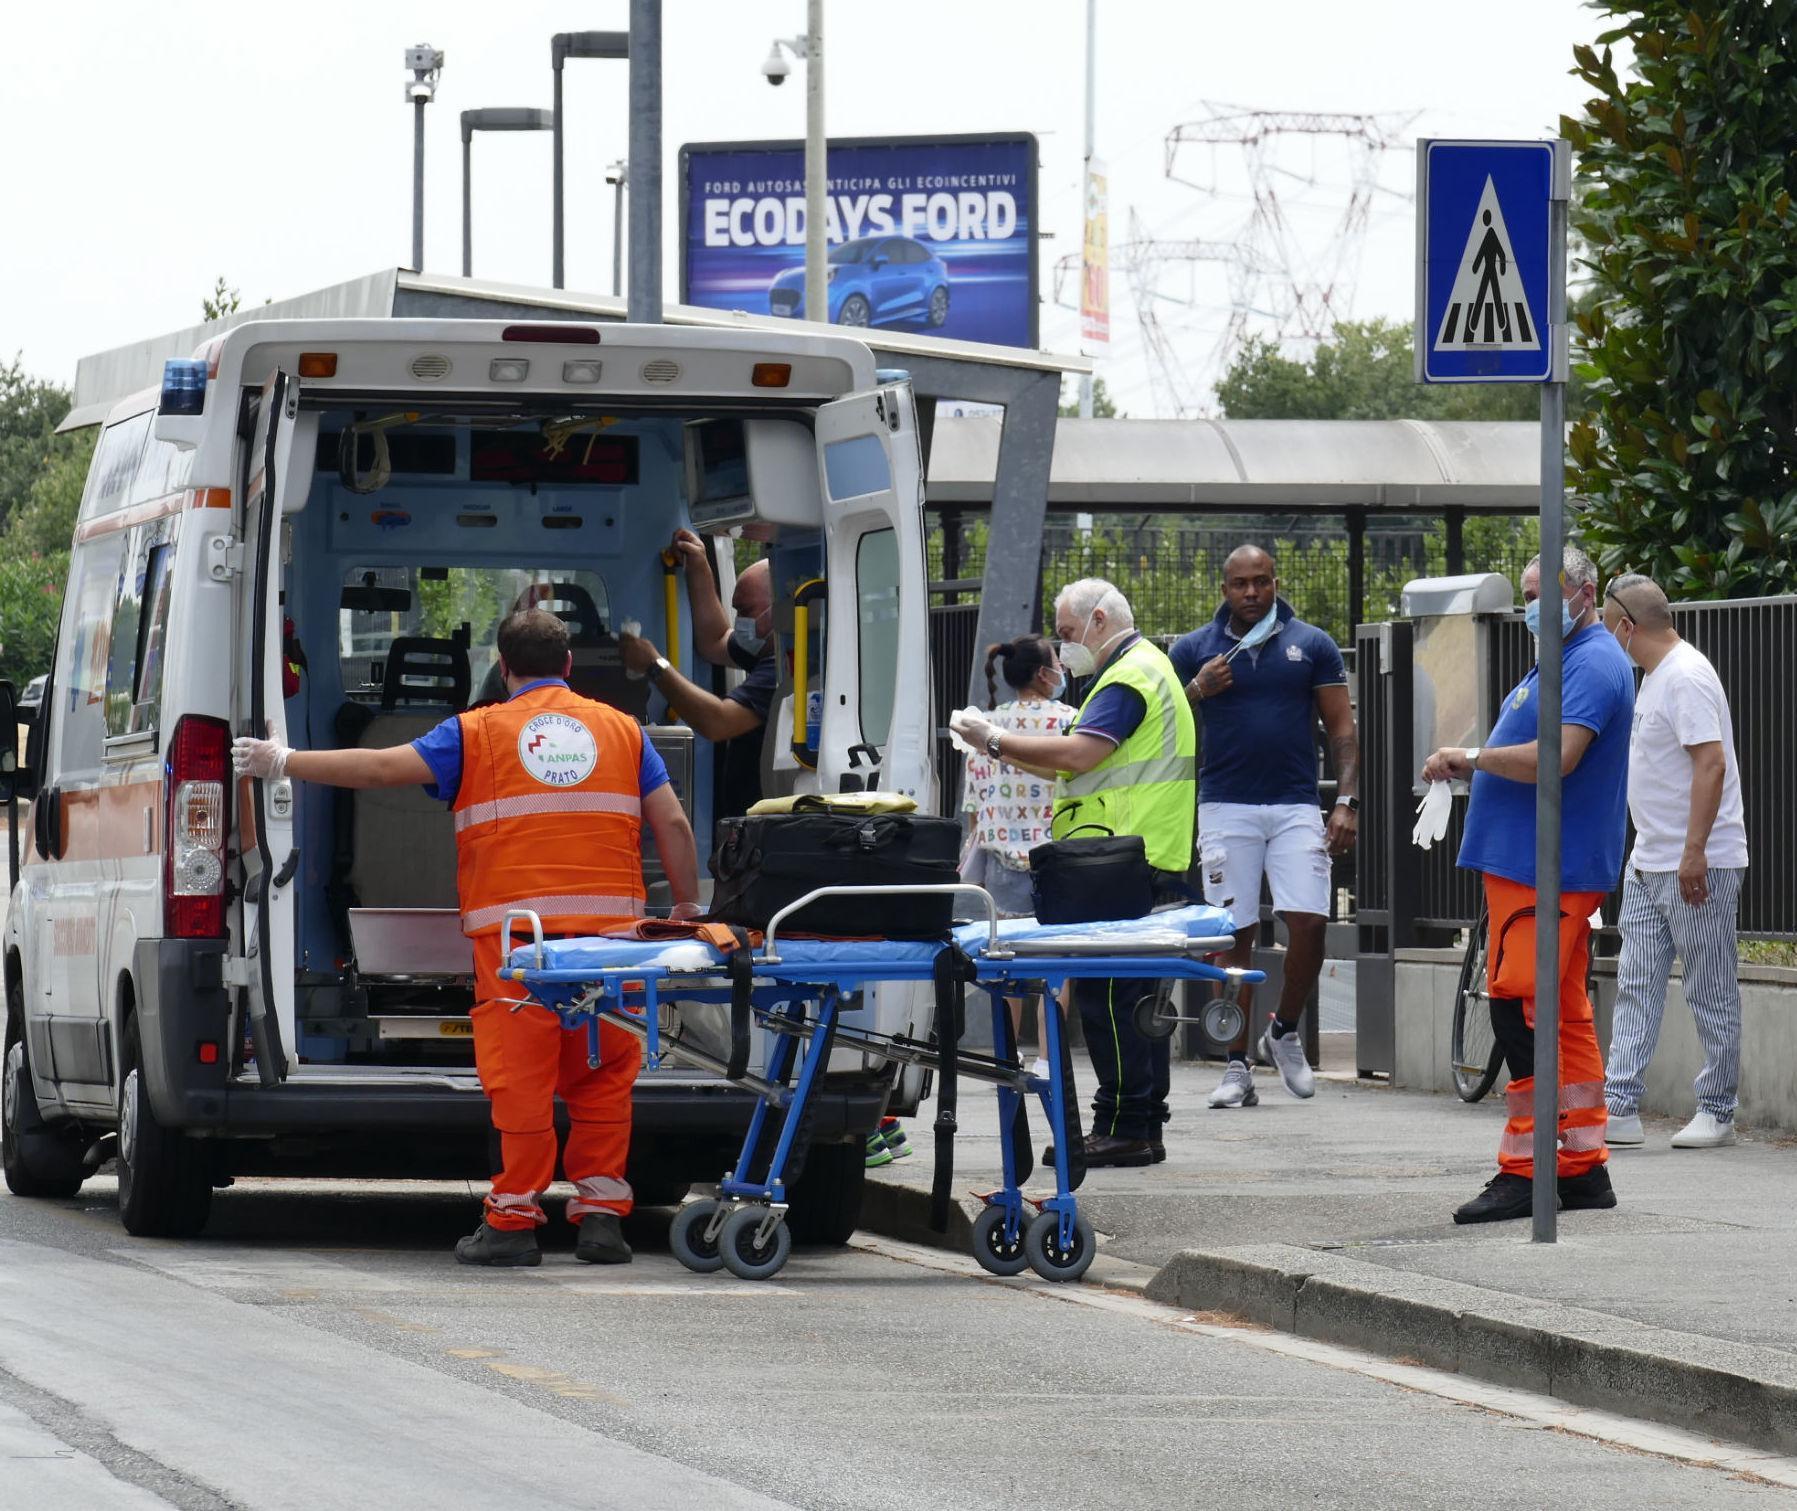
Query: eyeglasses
[[1614, 595]]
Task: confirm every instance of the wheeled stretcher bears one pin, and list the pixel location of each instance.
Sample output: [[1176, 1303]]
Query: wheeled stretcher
[[795, 988]]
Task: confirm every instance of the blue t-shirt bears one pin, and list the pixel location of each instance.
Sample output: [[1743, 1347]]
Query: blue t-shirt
[[1259, 741], [1112, 713], [756, 691], [442, 752], [1598, 692]]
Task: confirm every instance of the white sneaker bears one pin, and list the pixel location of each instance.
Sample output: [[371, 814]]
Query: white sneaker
[[1236, 1089], [1705, 1131], [1624, 1129], [1287, 1056], [1040, 1069]]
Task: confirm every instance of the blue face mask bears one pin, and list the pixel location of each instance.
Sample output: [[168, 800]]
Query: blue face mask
[[1531, 616], [1059, 687]]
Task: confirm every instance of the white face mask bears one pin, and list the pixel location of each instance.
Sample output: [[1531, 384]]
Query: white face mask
[[1077, 659]]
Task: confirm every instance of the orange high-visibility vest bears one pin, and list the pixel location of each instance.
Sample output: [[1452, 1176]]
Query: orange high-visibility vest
[[549, 815]]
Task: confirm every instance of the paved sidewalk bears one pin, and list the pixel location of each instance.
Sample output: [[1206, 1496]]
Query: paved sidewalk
[[1333, 1217]]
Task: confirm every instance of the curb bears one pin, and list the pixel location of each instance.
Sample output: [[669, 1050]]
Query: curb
[[1733, 1391]]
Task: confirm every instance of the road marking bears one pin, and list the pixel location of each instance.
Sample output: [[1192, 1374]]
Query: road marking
[[1527, 1406]]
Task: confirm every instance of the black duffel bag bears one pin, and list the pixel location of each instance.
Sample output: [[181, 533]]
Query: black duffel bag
[[763, 862], [1099, 879]]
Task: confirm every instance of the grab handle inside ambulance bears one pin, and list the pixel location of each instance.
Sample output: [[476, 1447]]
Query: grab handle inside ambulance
[[670, 606], [805, 734]]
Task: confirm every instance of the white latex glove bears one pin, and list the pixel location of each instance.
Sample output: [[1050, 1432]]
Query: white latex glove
[[1432, 814], [969, 729], [686, 910], [262, 758], [634, 628]]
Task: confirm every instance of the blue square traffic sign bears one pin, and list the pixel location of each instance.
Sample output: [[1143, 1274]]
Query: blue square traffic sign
[[1484, 260]]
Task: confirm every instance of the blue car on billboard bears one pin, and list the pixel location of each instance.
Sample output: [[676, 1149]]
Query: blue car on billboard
[[874, 280]]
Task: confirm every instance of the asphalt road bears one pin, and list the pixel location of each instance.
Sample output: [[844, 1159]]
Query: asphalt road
[[319, 1349]]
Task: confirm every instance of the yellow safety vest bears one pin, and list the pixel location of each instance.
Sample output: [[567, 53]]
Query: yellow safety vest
[[1148, 785]]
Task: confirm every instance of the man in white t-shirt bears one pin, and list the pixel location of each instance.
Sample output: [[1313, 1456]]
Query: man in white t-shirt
[[1681, 887]]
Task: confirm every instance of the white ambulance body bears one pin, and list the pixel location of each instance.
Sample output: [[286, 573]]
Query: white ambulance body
[[316, 527]]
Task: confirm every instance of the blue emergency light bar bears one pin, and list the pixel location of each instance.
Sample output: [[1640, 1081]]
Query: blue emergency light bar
[[183, 386]]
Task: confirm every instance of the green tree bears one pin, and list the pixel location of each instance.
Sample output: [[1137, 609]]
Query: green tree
[[30, 411], [222, 301], [1364, 371], [1104, 407], [1686, 455]]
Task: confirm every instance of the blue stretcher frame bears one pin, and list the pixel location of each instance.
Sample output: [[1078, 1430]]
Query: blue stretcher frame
[[1015, 961]]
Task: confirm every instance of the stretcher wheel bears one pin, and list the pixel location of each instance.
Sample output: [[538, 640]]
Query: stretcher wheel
[[1222, 1018], [1154, 1016], [1042, 1245], [744, 1256], [996, 1254], [686, 1238]]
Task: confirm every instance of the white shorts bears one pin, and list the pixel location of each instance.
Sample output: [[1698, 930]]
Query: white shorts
[[1238, 843]]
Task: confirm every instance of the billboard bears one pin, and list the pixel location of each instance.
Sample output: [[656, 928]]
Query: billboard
[[1095, 271], [930, 235]]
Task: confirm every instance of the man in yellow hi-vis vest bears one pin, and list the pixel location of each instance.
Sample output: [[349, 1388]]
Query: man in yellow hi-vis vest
[[1127, 766]]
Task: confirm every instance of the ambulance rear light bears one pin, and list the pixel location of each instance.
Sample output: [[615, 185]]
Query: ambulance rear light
[[206, 1051], [196, 824], [183, 386], [318, 364], [771, 374], [552, 335]]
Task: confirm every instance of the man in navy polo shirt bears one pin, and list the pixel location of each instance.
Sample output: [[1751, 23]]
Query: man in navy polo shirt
[[1258, 810]]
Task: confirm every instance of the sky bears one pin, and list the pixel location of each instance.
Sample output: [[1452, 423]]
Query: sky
[[150, 149]]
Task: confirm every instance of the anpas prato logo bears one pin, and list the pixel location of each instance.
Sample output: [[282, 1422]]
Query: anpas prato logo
[[556, 750]]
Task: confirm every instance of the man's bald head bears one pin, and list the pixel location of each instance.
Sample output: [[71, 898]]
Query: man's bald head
[[754, 595], [1250, 558]]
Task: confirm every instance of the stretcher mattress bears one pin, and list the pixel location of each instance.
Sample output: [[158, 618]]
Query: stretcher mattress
[[1158, 933]]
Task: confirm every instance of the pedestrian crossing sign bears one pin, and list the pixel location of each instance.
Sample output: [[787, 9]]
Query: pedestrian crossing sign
[[1484, 261]]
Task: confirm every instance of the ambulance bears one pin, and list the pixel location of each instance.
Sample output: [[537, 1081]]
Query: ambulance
[[315, 526]]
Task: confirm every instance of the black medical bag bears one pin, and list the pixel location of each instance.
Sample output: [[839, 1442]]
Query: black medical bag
[[1097, 879], [763, 862]]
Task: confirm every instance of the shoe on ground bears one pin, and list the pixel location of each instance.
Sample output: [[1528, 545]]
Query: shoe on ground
[[1287, 1057], [1705, 1131], [1236, 1089], [601, 1240], [877, 1152], [1624, 1130], [1104, 1149], [1505, 1196], [1157, 1147], [1590, 1192], [499, 1248], [893, 1131]]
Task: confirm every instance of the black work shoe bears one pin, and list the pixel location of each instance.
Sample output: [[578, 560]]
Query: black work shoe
[[1157, 1148], [1588, 1192], [601, 1240], [502, 1248], [1504, 1197], [1103, 1149]]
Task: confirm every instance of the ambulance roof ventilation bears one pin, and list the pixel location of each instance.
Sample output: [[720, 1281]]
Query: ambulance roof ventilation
[[429, 367], [661, 370]]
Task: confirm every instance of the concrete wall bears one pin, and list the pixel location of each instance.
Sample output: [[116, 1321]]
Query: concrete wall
[[1424, 1006]]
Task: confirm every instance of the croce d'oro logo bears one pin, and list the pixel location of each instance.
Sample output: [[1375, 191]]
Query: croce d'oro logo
[[556, 750]]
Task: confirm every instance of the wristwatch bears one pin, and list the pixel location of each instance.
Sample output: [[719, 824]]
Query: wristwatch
[[1352, 804], [662, 664], [992, 742], [1472, 756]]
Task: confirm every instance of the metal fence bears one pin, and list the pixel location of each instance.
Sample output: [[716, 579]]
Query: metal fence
[[1408, 896]]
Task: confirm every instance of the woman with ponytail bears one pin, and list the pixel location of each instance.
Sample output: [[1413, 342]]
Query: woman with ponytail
[[1007, 808]]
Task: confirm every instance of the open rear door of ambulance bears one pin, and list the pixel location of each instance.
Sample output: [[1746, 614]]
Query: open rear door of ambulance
[[264, 972], [878, 723]]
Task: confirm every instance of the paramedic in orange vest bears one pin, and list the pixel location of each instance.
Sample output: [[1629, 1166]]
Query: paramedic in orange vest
[[550, 792]]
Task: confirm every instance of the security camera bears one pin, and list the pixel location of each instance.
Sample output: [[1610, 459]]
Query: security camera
[[776, 68]]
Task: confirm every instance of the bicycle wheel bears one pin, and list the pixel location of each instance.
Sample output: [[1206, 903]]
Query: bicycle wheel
[[1474, 1054]]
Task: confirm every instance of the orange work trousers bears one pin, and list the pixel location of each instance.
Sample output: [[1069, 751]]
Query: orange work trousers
[[526, 1059], [1511, 978]]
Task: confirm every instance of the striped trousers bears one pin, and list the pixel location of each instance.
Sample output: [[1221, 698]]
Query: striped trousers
[[1657, 926], [1511, 976]]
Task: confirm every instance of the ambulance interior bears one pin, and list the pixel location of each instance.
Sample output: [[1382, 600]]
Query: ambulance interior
[[417, 535]]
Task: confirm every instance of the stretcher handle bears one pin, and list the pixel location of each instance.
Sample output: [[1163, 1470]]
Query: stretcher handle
[[770, 954], [670, 606], [536, 934]]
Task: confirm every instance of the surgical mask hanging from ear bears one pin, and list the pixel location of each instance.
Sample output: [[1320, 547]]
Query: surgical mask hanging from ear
[[1531, 616]]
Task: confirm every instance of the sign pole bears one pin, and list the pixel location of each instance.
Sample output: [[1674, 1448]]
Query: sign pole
[[1548, 838]]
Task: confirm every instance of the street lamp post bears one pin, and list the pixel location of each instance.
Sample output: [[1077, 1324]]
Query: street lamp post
[[644, 306], [498, 118], [618, 176], [426, 64], [810, 50], [562, 46]]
